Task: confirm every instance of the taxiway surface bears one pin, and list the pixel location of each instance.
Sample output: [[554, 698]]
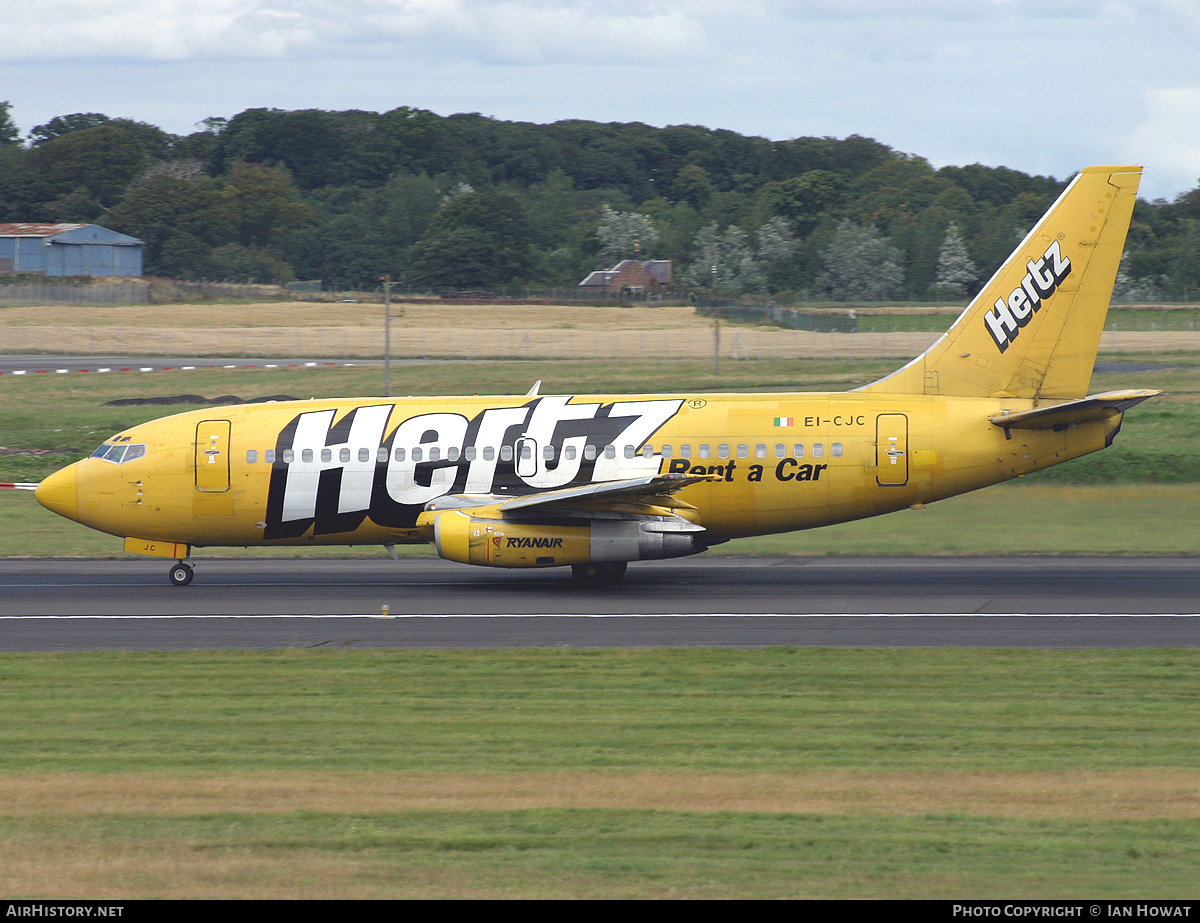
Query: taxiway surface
[[51, 605]]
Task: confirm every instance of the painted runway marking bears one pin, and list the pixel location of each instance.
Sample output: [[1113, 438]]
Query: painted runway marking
[[629, 615]]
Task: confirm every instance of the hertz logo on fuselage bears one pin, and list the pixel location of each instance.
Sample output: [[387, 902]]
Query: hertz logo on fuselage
[[1008, 315]]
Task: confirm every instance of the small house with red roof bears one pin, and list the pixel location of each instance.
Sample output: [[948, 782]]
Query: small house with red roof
[[631, 276]]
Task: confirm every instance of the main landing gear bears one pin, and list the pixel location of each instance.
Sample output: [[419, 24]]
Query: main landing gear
[[598, 574], [182, 573]]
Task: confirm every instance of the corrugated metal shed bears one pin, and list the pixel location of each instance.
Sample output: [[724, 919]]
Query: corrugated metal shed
[[68, 250]]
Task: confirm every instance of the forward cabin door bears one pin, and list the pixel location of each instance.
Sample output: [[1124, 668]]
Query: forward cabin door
[[212, 456], [891, 449]]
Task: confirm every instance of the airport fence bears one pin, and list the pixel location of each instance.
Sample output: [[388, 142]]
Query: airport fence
[[35, 294]]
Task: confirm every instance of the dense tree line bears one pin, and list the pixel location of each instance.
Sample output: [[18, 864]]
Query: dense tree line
[[466, 201]]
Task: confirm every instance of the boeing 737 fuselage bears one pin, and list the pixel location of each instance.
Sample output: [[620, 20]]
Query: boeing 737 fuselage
[[596, 481]]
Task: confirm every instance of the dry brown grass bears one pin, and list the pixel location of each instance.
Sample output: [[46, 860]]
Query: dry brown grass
[[1125, 795], [439, 329], [77, 835], [436, 315], [186, 871]]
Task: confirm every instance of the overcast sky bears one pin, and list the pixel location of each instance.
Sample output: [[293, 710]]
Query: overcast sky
[[1042, 86]]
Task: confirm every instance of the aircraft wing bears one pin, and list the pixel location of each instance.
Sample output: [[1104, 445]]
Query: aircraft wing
[[652, 490], [1072, 413]]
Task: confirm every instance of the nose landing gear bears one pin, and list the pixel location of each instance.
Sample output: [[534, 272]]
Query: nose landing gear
[[182, 573]]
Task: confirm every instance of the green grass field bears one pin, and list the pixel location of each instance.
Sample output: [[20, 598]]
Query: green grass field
[[545, 773]]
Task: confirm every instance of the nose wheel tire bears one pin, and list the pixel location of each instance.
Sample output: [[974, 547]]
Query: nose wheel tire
[[181, 574]]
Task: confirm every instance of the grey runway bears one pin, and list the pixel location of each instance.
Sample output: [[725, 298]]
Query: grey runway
[[61, 365], [53, 605]]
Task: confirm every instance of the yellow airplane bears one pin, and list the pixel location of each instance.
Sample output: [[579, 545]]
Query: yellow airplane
[[597, 481]]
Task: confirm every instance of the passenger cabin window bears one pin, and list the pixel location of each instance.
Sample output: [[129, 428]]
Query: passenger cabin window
[[722, 450], [506, 453], [269, 456], [610, 451], [364, 454], [705, 451], [327, 455], [799, 453], [760, 451], [629, 451], [818, 450], [780, 450], [589, 452], [251, 456], [306, 455], [399, 454], [836, 448], [685, 450]]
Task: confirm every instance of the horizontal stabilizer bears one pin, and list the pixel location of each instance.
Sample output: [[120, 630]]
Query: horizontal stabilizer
[[1072, 413]]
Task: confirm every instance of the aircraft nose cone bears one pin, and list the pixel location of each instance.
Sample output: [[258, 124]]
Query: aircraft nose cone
[[57, 493]]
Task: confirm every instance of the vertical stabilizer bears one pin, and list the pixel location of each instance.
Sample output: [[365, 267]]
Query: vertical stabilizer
[[1033, 331]]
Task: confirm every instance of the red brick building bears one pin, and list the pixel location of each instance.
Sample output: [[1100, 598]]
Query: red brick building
[[633, 276]]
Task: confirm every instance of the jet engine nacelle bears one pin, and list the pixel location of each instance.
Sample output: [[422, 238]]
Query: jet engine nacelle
[[496, 543]]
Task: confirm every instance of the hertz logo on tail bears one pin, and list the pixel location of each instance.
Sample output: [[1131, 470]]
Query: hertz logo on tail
[[1006, 318]]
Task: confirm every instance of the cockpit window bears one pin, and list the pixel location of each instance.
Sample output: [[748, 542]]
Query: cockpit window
[[119, 454]]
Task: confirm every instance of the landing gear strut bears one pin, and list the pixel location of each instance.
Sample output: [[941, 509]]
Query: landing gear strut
[[182, 573], [598, 574]]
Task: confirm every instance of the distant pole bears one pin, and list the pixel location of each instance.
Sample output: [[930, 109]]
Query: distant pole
[[716, 330], [387, 336]]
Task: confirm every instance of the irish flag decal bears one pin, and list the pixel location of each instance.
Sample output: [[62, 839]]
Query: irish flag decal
[[785, 421]]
